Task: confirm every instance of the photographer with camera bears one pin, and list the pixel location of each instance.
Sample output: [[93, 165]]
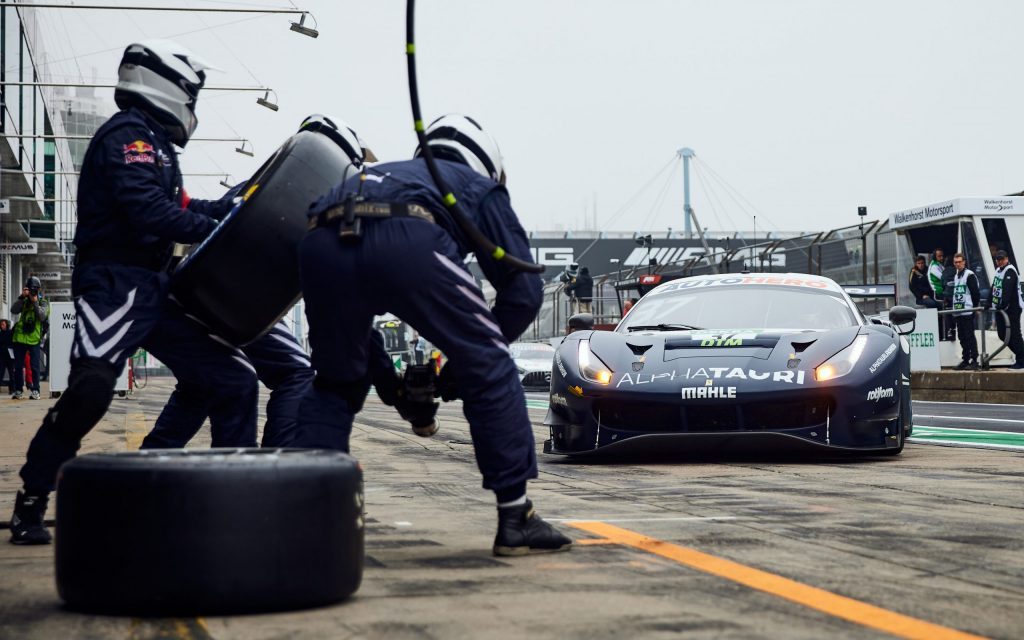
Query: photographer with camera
[[33, 317], [569, 279]]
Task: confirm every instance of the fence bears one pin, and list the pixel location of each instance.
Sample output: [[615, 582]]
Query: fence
[[870, 254]]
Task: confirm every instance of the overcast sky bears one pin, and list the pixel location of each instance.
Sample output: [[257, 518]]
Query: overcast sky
[[806, 109]]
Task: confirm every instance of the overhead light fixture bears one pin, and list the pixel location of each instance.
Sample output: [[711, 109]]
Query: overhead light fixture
[[245, 152], [300, 27], [265, 101]]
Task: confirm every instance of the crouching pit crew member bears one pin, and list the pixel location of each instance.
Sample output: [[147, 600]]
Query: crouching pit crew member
[[130, 210], [349, 275], [217, 379]]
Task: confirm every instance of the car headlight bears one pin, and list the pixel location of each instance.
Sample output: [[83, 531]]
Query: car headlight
[[591, 367], [843, 362]]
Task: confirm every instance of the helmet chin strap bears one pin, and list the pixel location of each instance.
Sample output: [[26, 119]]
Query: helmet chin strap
[[481, 244]]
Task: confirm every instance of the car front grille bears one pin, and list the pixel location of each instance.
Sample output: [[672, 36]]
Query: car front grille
[[537, 379], [711, 418]]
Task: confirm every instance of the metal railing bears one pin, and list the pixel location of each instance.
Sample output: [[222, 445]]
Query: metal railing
[[983, 327]]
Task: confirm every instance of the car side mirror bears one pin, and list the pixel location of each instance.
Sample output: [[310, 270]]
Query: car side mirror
[[900, 315], [581, 322]]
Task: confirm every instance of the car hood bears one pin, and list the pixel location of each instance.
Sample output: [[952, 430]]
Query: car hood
[[761, 350]]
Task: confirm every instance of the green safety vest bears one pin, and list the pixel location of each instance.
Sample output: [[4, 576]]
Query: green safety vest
[[962, 298], [29, 329]]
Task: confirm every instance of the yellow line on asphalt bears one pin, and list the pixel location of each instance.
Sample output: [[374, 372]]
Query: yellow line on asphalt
[[824, 601], [135, 429]]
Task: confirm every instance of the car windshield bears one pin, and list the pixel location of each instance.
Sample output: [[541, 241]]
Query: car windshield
[[532, 351], [743, 307]]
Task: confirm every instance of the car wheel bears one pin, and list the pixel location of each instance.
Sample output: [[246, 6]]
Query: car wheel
[[245, 276], [178, 532]]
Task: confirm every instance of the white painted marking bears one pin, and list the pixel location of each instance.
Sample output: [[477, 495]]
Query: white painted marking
[[403, 523], [967, 404], [969, 418], [935, 426], [973, 445]]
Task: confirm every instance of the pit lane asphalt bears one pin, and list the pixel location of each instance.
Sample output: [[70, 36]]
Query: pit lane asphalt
[[752, 548]]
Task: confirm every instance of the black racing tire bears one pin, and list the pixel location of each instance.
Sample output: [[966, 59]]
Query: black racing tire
[[191, 532], [245, 276]]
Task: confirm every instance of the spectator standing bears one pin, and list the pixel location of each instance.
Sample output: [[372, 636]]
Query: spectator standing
[[1006, 295], [966, 296], [920, 285], [7, 354], [419, 348], [584, 290], [569, 278], [33, 313]]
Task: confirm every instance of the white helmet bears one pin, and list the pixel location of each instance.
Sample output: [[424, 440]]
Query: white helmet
[[459, 138], [342, 135], [163, 79]]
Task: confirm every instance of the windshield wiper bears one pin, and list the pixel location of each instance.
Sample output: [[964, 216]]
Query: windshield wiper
[[661, 327]]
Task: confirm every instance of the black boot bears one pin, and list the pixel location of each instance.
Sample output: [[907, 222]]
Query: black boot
[[521, 531], [27, 522]]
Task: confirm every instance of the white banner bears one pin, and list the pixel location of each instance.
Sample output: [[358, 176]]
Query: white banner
[[19, 248], [53, 293], [47, 275], [994, 206], [62, 334], [924, 342]]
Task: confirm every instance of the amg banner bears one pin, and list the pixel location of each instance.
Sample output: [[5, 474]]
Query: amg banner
[[609, 255]]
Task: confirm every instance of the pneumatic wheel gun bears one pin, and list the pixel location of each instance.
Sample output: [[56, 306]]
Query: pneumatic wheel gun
[[416, 399]]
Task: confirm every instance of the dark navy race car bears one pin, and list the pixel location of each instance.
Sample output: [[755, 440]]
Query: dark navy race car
[[765, 362]]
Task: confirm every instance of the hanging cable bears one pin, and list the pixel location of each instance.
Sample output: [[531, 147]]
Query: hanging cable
[[625, 207], [481, 244]]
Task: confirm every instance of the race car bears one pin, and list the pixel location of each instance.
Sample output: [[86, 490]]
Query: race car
[[533, 361], [762, 362]]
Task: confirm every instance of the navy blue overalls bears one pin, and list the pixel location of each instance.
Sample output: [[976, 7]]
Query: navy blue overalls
[[415, 269], [218, 379], [129, 213]]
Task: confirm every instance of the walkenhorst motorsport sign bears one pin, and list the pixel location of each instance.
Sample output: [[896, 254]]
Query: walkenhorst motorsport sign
[[993, 206], [47, 275], [19, 248]]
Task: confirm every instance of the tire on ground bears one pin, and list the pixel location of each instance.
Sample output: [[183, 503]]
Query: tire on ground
[[245, 276], [178, 532]]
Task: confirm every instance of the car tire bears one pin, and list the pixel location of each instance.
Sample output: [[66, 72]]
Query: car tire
[[245, 276], [183, 532]]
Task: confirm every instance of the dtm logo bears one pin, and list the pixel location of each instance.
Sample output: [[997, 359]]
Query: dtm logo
[[879, 393]]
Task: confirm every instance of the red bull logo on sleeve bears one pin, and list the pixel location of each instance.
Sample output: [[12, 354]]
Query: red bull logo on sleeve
[[139, 151]]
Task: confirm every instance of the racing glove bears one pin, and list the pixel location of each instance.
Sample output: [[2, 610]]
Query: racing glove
[[446, 388]]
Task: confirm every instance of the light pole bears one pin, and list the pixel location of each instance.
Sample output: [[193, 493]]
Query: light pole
[[862, 213]]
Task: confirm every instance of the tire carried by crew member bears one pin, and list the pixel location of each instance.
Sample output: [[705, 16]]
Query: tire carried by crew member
[[209, 531], [243, 278]]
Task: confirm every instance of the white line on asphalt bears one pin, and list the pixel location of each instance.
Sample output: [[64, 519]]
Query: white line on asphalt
[[970, 404], [681, 519], [969, 418], [935, 426], [974, 445]]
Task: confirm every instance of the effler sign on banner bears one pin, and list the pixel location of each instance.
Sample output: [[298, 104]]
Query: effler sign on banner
[[19, 248]]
